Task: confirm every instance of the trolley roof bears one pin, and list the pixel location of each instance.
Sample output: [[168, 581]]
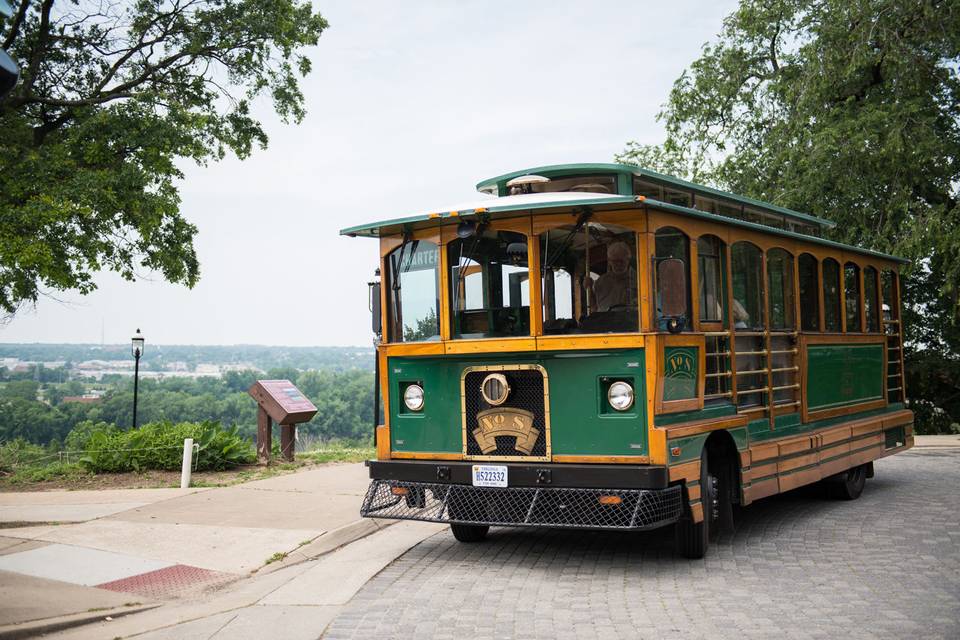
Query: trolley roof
[[510, 205]]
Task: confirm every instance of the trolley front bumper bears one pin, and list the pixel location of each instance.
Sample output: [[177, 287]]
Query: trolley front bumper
[[545, 495]]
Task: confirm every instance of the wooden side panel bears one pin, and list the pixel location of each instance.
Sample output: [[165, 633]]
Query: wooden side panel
[[687, 472], [383, 442]]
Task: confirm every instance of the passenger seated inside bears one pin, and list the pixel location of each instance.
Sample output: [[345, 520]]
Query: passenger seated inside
[[617, 288], [741, 319], [589, 279]]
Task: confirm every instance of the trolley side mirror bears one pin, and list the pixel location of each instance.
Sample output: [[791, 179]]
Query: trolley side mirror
[[373, 304], [672, 280]]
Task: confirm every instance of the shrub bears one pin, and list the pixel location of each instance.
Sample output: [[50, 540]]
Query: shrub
[[19, 452], [159, 445]]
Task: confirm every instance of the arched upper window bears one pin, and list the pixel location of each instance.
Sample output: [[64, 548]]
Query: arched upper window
[[780, 282], [809, 293], [831, 295], [870, 304], [851, 289], [413, 292], [891, 306], [746, 261], [711, 269], [672, 274]]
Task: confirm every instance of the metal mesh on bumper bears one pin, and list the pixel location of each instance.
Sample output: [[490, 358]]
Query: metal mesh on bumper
[[522, 506]]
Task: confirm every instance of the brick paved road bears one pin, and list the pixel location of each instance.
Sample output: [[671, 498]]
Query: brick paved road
[[799, 566]]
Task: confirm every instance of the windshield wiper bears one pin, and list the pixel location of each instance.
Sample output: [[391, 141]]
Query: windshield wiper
[[585, 214], [396, 263]]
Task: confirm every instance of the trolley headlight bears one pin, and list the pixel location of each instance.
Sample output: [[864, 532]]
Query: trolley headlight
[[620, 396], [413, 397]]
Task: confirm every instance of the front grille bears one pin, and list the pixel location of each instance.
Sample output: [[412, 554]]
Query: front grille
[[526, 392], [522, 506]]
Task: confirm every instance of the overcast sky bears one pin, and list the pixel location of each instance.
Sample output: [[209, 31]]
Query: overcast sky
[[408, 108]]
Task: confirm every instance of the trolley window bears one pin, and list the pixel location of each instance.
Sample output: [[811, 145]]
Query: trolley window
[[490, 285], [589, 279], [413, 292], [831, 295]]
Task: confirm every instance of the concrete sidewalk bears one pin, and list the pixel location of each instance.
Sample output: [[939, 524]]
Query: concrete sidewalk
[[937, 442], [99, 552]]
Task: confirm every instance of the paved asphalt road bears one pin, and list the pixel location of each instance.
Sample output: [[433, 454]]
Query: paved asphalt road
[[798, 566]]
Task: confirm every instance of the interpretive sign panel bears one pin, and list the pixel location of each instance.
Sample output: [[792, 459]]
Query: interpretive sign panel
[[282, 401]]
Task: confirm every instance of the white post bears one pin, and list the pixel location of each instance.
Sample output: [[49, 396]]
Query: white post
[[187, 466]]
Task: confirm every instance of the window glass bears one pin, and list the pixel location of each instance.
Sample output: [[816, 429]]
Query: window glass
[[703, 203], [489, 285], [413, 292], [870, 299], [747, 271], [831, 295], [809, 293], [589, 279], [583, 183], [647, 189], [674, 196], [671, 268], [711, 267], [730, 210], [888, 286], [780, 283], [851, 288]]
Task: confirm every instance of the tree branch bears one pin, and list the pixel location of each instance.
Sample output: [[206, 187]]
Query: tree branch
[[36, 55], [17, 21]]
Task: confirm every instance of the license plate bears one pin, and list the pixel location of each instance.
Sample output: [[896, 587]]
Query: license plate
[[489, 475]]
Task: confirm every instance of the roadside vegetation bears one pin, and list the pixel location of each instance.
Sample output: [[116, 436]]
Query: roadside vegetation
[[44, 405], [29, 467]]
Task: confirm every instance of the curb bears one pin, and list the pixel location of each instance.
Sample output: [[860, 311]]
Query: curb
[[325, 543], [60, 623]]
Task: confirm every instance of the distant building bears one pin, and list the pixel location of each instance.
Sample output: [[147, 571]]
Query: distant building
[[87, 398], [239, 366]]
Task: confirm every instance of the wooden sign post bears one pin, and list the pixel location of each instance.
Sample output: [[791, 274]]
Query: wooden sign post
[[281, 402]]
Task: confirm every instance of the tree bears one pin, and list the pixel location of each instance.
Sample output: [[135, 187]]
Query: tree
[[111, 96], [847, 110], [23, 389]]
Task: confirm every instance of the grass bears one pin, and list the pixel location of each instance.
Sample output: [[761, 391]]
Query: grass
[[277, 557], [335, 452], [25, 474], [40, 473]]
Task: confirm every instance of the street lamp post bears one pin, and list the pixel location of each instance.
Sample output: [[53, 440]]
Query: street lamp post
[[136, 347]]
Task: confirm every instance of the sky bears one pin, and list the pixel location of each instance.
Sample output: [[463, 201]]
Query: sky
[[409, 106]]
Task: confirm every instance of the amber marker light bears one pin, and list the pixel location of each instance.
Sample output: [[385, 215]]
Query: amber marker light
[[611, 500], [400, 491], [480, 210], [641, 198], [675, 452]]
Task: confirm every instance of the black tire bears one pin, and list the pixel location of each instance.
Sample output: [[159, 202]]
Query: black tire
[[692, 539], [849, 484], [469, 532]]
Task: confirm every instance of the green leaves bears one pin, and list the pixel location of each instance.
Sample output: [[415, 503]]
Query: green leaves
[[106, 107], [159, 445], [847, 110]]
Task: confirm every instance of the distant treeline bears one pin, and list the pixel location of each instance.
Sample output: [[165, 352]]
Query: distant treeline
[[155, 357], [36, 412]]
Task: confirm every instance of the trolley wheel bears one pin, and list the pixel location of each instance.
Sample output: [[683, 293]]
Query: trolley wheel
[[469, 532], [693, 538], [849, 484]]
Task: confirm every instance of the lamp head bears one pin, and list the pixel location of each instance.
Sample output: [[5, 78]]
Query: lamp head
[[136, 344]]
